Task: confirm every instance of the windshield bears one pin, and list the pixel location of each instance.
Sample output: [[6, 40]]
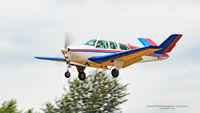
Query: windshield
[[102, 44], [113, 45], [91, 42], [123, 47]]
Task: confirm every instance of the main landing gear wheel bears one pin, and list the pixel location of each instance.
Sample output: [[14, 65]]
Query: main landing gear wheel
[[115, 72], [81, 76], [67, 74]]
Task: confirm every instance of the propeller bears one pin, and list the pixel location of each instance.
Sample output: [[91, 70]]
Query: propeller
[[67, 41], [65, 50]]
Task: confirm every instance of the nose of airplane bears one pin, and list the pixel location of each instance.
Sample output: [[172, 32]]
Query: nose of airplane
[[65, 50], [69, 48]]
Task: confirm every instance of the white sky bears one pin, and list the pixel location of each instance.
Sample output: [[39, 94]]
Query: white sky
[[36, 28]]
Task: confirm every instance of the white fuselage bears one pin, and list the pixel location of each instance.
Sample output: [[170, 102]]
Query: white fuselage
[[80, 55]]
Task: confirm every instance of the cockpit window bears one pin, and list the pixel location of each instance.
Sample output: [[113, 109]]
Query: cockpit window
[[123, 47], [113, 45], [91, 42], [102, 44]]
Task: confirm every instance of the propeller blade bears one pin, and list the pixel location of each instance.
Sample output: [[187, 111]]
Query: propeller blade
[[67, 39]]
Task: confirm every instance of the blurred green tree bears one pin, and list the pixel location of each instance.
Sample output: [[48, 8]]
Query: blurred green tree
[[9, 107], [29, 111], [98, 93]]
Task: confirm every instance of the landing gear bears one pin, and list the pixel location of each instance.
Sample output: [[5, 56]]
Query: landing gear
[[81, 75], [115, 72], [80, 69], [67, 74]]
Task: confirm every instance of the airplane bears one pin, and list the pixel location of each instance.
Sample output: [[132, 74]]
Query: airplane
[[109, 55]]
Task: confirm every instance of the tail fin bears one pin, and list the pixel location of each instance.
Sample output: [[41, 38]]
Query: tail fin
[[169, 43]]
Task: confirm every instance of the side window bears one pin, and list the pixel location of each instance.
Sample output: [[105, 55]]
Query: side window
[[123, 47], [113, 45], [91, 42], [102, 44]]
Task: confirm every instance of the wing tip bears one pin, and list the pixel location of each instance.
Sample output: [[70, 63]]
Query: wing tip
[[50, 58]]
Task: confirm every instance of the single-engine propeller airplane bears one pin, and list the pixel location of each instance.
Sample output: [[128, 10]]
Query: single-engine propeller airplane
[[113, 55]]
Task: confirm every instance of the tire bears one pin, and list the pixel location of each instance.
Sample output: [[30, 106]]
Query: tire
[[81, 76], [67, 74], [115, 72]]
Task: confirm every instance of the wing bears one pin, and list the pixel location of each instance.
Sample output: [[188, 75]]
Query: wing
[[59, 60], [128, 57], [52, 58]]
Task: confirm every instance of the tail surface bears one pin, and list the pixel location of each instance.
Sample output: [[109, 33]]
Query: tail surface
[[147, 42], [166, 46], [169, 43]]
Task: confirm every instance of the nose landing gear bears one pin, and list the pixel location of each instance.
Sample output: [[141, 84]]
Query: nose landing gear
[[67, 74]]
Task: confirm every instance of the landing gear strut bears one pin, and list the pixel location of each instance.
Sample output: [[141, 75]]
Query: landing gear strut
[[81, 74], [67, 73], [115, 72]]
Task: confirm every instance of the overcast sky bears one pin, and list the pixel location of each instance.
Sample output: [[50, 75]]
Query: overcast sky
[[31, 28]]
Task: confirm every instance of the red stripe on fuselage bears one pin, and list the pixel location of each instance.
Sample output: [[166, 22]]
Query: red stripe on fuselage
[[96, 50]]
